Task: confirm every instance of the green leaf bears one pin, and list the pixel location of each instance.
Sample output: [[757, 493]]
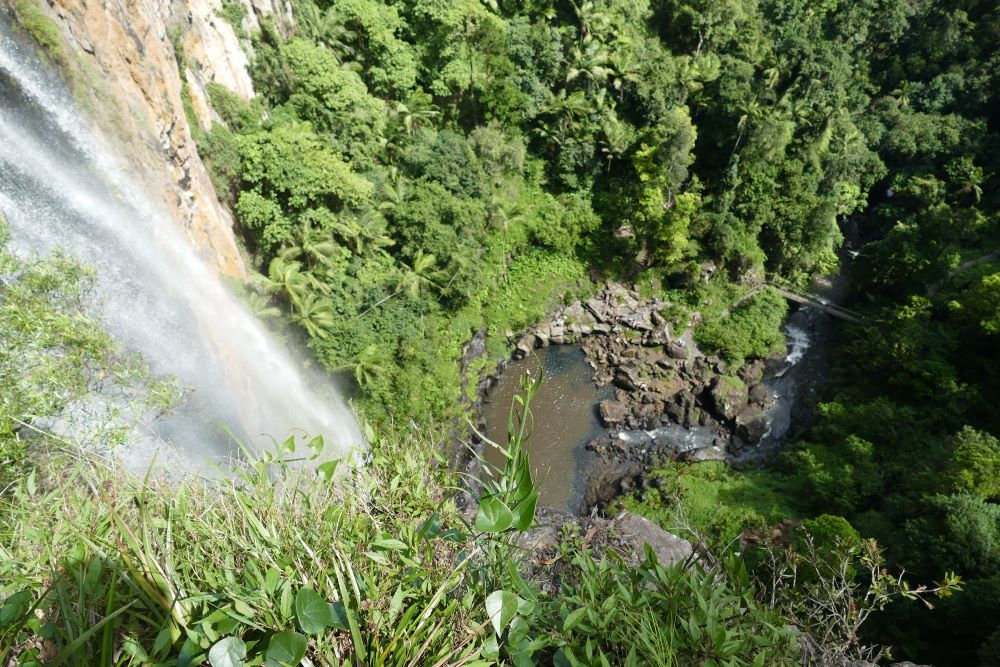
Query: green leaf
[[389, 543], [573, 618], [317, 445], [338, 616], [228, 652], [501, 606], [328, 470], [431, 528], [286, 649], [524, 512], [312, 611], [493, 516]]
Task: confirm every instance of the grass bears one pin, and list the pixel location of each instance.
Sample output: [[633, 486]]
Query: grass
[[373, 567], [713, 500]]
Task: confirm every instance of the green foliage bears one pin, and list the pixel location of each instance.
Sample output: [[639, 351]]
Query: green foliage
[[974, 465], [419, 172], [712, 500], [60, 355], [750, 330], [234, 12], [34, 21], [334, 99]]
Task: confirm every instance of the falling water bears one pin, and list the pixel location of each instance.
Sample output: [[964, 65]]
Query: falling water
[[60, 189]]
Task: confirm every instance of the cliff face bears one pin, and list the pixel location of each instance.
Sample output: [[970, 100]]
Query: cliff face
[[125, 51]]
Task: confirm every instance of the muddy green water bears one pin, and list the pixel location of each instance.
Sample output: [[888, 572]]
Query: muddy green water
[[565, 420]]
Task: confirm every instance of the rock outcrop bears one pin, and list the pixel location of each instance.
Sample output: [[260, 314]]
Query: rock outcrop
[[125, 75], [626, 535]]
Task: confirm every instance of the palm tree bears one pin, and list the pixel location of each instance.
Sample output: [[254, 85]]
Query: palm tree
[[417, 277], [373, 228], [285, 276], [328, 27], [902, 94], [369, 365], [591, 59], [503, 215], [315, 315], [393, 193], [413, 279], [312, 244], [418, 111], [365, 232], [260, 305]]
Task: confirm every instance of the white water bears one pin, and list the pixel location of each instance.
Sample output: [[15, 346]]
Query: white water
[[60, 189]]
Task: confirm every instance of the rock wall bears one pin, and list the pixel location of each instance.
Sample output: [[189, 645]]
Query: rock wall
[[124, 72]]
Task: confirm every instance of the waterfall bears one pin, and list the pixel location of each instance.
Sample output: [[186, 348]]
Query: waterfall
[[60, 189]]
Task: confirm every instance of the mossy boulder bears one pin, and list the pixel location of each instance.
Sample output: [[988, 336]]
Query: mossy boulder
[[729, 396]]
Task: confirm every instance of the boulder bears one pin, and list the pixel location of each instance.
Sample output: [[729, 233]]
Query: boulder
[[760, 394], [638, 532], [729, 396], [627, 378], [677, 350], [751, 425], [701, 454], [648, 416], [599, 309], [656, 337], [753, 372], [524, 346], [613, 413]]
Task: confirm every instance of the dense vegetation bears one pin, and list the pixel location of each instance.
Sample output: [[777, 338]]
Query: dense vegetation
[[377, 567], [442, 160], [413, 173]]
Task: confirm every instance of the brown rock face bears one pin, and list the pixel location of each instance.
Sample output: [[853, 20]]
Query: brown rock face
[[613, 412], [126, 80]]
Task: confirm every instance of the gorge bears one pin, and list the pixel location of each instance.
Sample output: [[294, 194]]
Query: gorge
[[726, 270]]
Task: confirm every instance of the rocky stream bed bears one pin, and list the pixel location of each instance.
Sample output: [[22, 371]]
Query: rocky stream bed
[[661, 396]]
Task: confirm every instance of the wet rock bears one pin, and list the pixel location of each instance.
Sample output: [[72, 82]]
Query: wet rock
[[524, 346], [729, 397], [760, 394], [751, 425], [713, 453], [648, 416], [639, 532], [613, 413], [752, 373]]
